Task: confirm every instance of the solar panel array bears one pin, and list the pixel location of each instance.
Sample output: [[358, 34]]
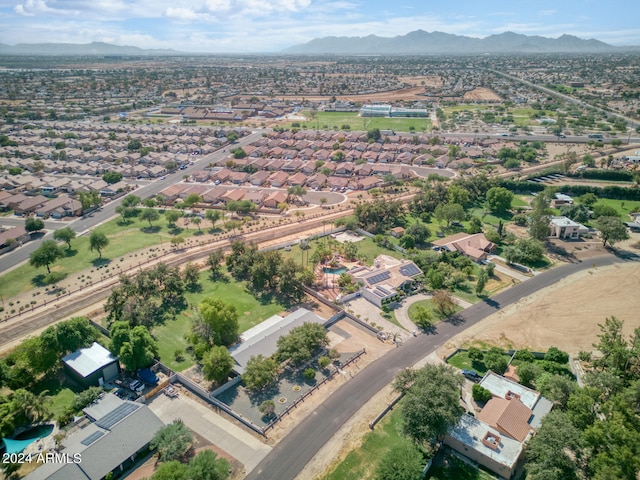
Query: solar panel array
[[379, 277], [409, 270], [92, 438], [117, 414]]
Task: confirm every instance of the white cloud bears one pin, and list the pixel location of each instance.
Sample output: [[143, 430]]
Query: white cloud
[[181, 14], [548, 13]]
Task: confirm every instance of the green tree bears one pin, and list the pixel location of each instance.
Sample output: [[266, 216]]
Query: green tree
[[481, 282], [173, 470], [528, 372], [150, 215], [172, 216], [267, 408], [137, 347], [213, 216], [481, 394], [431, 405], [449, 212], [475, 355], [33, 224], [531, 250], [401, 462], [443, 302], [214, 260], [220, 319], [302, 343], [172, 441], [217, 364], [207, 466], [495, 361], [65, 234], [260, 372], [46, 254], [192, 199], [555, 452], [422, 317], [499, 199], [98, 241], [604, 211], [191, 277], [112, 177], [588, 199], [611, 229], [130, 201]]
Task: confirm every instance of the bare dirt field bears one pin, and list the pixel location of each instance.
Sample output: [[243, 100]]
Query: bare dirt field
[[412, 93], [481, 94], [565, 315]]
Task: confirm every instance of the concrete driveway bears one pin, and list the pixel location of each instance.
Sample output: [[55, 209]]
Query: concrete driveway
[[370, 313], [221, 432]]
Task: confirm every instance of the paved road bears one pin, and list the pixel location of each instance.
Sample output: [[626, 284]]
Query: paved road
[[290, 456], [86, 223]]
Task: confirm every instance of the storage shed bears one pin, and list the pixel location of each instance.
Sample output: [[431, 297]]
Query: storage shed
[[94, 365]]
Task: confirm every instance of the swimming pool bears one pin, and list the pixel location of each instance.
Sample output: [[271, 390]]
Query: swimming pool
[[336, 271], [26, 438]]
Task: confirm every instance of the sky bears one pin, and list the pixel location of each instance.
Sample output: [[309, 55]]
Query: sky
[[264, 26]]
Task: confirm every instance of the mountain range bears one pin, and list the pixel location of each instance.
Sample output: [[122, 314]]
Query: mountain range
[[82, 49], [420, 42]]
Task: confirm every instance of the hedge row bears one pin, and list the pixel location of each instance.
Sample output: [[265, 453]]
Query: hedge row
[[613, 191]]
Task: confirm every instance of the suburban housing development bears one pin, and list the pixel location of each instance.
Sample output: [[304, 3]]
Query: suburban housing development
[[226, 267]]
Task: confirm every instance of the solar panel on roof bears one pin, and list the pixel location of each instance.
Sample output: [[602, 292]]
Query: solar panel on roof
[[117, 414], [378, 278], [92, 438], [409, 270]]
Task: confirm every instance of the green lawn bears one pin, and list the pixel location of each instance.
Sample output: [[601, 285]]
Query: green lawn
[[461, 360], [60, 389], [335, 121], [623, 207], [251, 310], [361, 463], [123, 239], [450, 467], [428, 304]]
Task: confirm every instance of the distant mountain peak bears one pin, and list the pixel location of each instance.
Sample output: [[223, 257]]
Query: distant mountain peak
[[420, 42]]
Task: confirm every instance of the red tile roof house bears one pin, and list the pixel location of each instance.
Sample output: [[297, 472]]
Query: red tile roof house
[[299, 179], [278, 179], [213, 195], [338, 182], [259, 177], [201, 175], [236, 195], [368, 183], [475, 246], [13, 237], [274, 199]]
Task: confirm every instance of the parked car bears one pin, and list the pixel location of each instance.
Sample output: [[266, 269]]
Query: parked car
[[136, 386], [472, 375]]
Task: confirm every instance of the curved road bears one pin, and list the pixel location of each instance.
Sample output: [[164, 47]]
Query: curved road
[[289, 457]]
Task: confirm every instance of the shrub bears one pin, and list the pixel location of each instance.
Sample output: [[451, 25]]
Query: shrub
[[324, 361], [556, 355], [267, 408], [309, 374], [480, 394], [475, 355]]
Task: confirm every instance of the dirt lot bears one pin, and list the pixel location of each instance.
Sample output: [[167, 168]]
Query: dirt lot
[[481, 94], [565, 315]]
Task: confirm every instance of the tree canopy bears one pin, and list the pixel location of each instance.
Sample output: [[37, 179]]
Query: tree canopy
[[46, 254], [431, 404]]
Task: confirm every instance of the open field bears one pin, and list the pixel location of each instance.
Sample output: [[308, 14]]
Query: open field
[[335, 121], [123, 239], [565, 315], [482, 94]]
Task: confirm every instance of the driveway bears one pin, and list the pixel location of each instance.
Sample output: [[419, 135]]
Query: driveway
[[372, 314], [222, 433]]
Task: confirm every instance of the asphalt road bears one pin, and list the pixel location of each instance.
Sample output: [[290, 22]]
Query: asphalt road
[[290, 456], [87, 222]]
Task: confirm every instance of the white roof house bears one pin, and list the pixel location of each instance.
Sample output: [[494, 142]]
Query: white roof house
[[93, 365]]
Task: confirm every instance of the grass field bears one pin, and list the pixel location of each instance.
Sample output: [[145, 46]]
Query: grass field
[[123, 239], [335, 121], [251, 310], [623, 207], [428, 304], [461, 360], [361, 463]]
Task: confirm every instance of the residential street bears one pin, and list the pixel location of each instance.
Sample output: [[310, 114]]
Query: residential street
[[290, 456], [86, 223]]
